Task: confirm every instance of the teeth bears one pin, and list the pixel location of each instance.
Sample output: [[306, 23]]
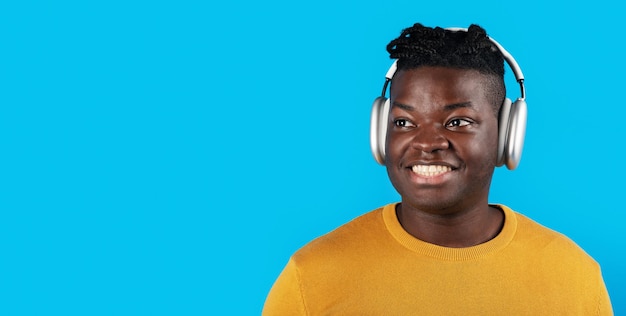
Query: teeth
[[430, 170]]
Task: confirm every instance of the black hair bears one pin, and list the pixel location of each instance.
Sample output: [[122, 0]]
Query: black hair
[[424, 46]]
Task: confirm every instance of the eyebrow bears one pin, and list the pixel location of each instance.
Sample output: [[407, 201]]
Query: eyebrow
[[454, 106], [403, 106], [448, 107]]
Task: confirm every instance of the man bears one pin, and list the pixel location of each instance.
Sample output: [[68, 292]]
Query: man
[[443, 250]]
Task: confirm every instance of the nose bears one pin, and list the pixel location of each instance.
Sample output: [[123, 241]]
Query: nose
[[429, 138]]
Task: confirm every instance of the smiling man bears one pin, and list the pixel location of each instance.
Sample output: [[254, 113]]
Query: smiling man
[[444, 249]]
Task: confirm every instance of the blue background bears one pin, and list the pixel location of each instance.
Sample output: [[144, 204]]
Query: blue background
[[167, 157]]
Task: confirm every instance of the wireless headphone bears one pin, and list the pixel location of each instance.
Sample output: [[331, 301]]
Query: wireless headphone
[[511, 120]]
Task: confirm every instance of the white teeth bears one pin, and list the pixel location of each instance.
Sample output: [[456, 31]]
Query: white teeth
[[430, 170]]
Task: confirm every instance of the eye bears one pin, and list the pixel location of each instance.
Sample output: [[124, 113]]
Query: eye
[[403, 123], [458, 123]]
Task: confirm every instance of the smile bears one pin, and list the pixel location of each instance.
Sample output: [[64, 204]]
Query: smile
[[430, 170]]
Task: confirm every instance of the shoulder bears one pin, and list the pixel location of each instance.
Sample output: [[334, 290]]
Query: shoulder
[[549, 244], [555, 258], [356, 235]]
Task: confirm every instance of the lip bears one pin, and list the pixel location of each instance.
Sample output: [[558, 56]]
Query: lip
[[431, 163], [431, 180]]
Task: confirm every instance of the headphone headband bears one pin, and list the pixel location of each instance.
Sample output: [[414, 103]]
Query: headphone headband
[[517, 71]]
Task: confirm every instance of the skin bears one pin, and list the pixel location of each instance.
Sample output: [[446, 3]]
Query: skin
[[442, 116]]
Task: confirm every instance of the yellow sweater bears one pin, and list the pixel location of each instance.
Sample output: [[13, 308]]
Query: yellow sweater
[[371, 266]]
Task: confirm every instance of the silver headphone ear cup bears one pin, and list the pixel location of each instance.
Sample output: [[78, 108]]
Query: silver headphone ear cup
[[378, 128], [503, 128], [516, 133]]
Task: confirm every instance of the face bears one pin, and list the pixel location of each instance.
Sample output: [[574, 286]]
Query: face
[[442, 139]]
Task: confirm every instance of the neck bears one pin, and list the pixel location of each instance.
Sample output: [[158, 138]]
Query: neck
[[460, 229]]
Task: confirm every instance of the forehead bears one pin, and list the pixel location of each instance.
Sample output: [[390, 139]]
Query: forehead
[[440, 84]]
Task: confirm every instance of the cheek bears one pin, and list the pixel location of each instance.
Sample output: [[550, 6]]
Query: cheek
[[395, 145], [486, 144]]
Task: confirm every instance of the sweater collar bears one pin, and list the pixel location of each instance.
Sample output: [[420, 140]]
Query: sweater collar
[[446, 253]]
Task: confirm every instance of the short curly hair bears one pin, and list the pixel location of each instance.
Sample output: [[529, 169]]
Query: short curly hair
[[472, 49]]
